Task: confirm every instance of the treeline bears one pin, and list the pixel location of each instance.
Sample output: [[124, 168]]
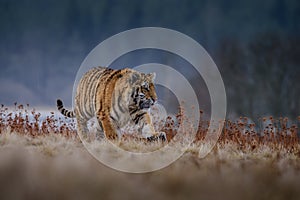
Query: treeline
[[254, 43], [261, 76]]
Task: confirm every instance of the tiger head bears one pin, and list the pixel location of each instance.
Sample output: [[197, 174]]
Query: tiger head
[[144, 94]]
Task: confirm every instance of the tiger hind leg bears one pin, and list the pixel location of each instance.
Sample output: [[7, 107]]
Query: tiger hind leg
[[99, 131], [82, 127]]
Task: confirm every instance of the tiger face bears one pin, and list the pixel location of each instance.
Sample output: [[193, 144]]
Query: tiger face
[[144, 94]]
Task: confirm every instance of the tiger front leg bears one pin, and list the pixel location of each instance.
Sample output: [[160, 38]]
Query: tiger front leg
[[148, 130]]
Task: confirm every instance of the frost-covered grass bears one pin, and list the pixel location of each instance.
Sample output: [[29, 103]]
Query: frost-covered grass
[[52, 163]]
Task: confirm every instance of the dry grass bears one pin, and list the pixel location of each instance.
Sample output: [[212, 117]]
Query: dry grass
[[44, 159], [27, 121]]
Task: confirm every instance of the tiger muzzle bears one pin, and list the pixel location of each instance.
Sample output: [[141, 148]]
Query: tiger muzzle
[[147, 104]]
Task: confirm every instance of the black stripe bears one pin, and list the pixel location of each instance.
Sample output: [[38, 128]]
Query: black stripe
[[113, 118], [132, 94], [116, 113], [83, 92], [90, 81], [63, 111], [138, 117], [88, 88], [114, 74], [59, 103], [96, 93], [100, 108], [134, 110], [107, 81], [92, 90], [135, 96], [69, 114], [105, 72], [135, 100]]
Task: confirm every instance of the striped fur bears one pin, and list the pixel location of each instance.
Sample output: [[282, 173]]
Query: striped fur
[[64, 111], [115, 97]]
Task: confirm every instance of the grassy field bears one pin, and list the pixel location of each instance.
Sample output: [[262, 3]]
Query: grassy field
[[44, 159]]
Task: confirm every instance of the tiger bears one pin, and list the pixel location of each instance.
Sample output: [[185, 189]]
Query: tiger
[[115, 98]]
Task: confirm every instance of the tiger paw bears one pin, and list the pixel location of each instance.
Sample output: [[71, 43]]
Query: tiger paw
[[159, 137], [162, 136]]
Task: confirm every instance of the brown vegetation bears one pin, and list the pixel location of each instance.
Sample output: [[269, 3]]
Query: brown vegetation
[[25, 120], [44, 159], [275, 133]]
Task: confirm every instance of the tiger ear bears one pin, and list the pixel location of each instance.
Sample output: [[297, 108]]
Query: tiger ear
[[152, 76]]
